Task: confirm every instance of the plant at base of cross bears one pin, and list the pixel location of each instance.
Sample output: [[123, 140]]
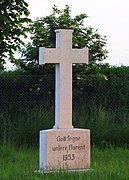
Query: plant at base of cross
[[43, 35], [13, 24]]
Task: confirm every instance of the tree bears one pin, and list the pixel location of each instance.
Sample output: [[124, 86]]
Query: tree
[[13, 20], [43, 35]]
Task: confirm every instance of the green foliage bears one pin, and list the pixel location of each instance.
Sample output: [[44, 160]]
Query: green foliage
[[43, 35], [13, 25], [117, 86], [20, 163], [107, 127], [100, 102]]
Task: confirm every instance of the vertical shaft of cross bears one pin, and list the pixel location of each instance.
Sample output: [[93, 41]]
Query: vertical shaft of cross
[[63, 91], [63, 102]]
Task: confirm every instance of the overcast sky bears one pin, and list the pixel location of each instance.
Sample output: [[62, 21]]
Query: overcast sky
[[110, 17]]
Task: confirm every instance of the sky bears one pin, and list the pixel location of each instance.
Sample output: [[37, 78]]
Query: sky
[[110, 17]]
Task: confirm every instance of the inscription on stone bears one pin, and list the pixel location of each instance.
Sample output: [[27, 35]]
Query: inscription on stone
[[68, 149]]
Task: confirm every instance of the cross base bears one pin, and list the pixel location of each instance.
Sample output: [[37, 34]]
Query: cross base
[[64, 149]]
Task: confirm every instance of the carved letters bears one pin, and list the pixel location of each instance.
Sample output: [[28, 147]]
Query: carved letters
[[71, 145]]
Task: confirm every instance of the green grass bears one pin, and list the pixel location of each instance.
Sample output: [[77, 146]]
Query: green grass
[[20, 164], [18, 125]]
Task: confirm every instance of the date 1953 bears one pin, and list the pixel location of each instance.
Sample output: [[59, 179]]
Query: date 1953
[[68, 157]]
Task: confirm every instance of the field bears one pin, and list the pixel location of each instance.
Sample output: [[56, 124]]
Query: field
[[100, 103], [18, 164]]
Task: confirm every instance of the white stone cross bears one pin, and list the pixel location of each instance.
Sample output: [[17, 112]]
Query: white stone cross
[[63, 56]]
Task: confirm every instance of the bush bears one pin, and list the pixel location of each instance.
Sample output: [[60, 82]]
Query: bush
[[100, 102]]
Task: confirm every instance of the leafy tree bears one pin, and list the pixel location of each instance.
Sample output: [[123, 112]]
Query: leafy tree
[[13, 20], [43, 35]]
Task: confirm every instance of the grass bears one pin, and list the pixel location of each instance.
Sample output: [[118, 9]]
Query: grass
[[20, 163], [18, 124]]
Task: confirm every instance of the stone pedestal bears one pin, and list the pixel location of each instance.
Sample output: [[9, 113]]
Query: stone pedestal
[[64, 149]]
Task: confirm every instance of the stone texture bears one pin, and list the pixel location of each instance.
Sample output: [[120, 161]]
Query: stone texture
[[64, 149], [63, 56]]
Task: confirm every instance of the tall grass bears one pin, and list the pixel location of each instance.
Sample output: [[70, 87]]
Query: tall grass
[[22, 127], [99, 103], [108, 127]]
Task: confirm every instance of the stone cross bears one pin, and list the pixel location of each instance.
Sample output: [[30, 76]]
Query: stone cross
[[63, 56]]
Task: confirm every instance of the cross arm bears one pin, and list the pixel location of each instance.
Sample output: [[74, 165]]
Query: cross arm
[[80, 56], [48, 55]]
